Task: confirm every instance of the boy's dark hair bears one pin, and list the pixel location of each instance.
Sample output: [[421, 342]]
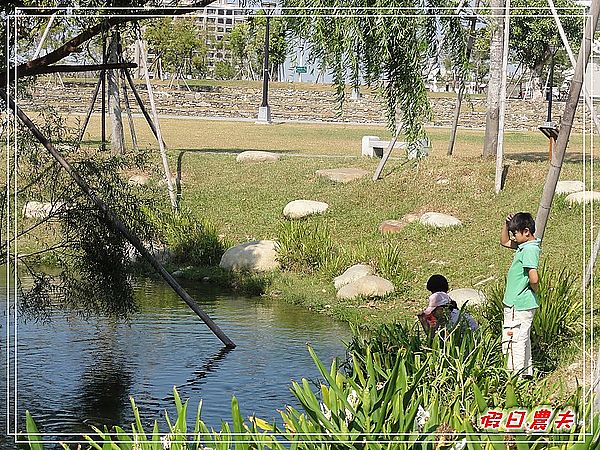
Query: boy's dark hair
[[437, 283], [520, 221]]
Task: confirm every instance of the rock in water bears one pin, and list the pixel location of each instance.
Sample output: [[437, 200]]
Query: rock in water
[[256, 256]]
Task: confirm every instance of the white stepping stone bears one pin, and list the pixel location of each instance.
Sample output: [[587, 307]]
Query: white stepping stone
[[258, 256], [257, 156], [351, 274], [342, 175], [583, 197], [439, 220], [138, 180], [464, 295], [301, 208], [568, 187], [369, 286]]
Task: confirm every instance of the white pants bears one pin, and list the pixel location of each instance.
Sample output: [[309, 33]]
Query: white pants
[[516, 341]]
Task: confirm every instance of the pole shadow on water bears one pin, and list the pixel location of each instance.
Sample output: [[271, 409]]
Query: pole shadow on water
[[209, 366]]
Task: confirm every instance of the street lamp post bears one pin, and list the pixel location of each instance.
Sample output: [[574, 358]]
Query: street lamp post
[[264, 112]]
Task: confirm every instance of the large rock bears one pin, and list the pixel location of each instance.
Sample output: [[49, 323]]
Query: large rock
[[352, 274], [369, 286], [568, 187], [342, 175], [257, 256], [462, 295], [583, 197], [439, 220], [257, 156], [301, 208]]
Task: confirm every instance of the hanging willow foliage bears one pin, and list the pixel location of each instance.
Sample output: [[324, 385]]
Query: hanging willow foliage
[[389, 44]]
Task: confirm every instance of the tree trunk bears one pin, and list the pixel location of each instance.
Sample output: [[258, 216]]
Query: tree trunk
[[566, 123], [493, 86], [117, 139]]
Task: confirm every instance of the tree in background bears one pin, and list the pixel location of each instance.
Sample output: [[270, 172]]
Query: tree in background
[[534, 35], [246, 44], [386, 45], [179, 44]]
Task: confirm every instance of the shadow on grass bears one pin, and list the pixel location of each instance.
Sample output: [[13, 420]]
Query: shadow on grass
[[571, 157]]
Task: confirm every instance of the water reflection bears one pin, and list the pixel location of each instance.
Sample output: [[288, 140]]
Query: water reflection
[[73, 374]]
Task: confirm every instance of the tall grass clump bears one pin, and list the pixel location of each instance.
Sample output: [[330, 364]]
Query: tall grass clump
[[557, 322], [190, 239], [306, 246], [391, 266]]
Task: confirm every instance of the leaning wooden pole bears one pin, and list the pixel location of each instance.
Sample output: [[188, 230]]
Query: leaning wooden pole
[[112, 219], [566, 123], [161, 143], [140, 103], [90, 110], [461, 89]]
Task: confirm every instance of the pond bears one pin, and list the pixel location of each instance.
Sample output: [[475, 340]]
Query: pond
[[73, 373]]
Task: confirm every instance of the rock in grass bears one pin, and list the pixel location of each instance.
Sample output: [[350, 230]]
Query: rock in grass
[[302, 208], [583, 197], [258, 256], [138, 180], [41, 210], [342, 175], [257, 156], [464, 295], [568, 187], [369, 286], [439, 220], [396, 226], [352, 274]]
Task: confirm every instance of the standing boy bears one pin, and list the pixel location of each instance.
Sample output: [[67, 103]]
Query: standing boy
[[520, 295]]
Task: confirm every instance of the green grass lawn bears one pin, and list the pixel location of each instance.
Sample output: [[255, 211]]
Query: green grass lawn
[[245, 201]]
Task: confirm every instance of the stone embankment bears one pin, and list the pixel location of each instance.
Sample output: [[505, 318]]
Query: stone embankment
[[293, 102]]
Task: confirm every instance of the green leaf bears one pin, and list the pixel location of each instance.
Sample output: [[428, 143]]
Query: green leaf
[[33, 437]]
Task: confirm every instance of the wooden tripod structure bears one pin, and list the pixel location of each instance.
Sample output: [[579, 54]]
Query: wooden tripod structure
[[109, 215]]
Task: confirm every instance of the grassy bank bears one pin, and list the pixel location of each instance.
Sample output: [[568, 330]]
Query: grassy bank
[[245, 202]]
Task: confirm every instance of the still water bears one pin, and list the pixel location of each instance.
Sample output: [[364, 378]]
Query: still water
[[72, 373]]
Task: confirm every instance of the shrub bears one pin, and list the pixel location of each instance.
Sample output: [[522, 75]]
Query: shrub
[[557, 321], [305, 246], [194, 241]]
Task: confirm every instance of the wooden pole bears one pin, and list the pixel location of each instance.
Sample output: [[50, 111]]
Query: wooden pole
[[141, 104], [103, 76], [461, 89], [90, 109], [112, 218], [386, 154], [128, 111], [566, 123], [161, 143], [502, 112]]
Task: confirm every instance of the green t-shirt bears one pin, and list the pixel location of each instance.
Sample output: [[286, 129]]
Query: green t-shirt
[[518, 293]]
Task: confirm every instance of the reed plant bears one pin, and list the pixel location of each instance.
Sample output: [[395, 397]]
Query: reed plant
[[306, 246], [190, 239]]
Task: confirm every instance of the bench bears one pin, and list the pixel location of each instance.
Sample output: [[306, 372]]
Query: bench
[[372, 146]]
